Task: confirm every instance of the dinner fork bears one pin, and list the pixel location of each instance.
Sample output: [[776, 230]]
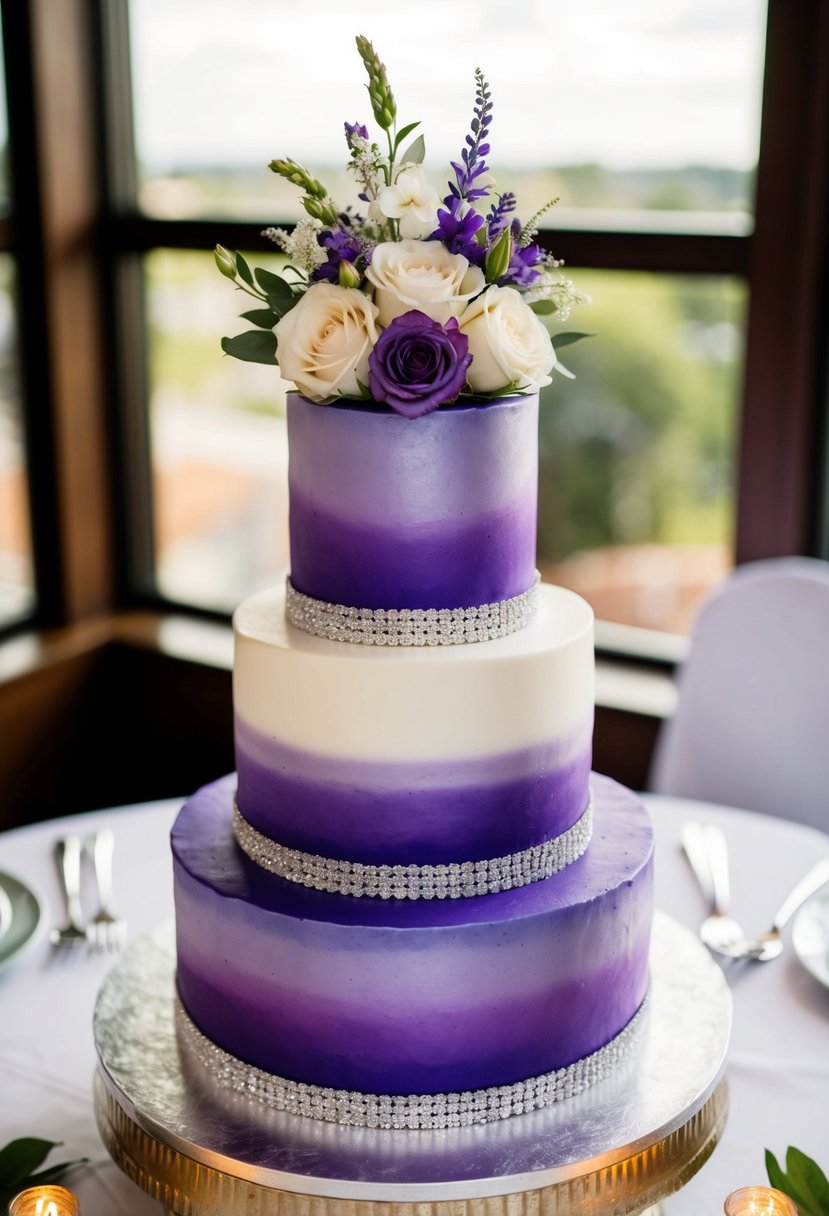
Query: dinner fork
[[106, 930]]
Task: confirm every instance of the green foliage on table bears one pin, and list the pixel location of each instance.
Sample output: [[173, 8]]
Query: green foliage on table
[[803, 1181], [19, 1161]]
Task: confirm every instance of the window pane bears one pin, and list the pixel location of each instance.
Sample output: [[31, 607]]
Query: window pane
[[16, 575], [652, 104], [218, 443], [637, 453]]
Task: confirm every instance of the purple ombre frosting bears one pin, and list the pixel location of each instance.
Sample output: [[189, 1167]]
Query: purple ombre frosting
[[423, 996], [423, 812], [433, 512]]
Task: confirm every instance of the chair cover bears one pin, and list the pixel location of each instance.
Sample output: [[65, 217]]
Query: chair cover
[[752, 724]]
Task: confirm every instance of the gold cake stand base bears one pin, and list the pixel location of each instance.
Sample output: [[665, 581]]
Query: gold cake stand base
[[187, 1187], [616, 1149]]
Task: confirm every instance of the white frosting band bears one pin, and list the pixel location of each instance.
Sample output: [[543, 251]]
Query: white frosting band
[[431, 703]]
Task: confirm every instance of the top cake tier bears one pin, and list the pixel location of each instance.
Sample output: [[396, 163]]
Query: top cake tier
[[435, 512]]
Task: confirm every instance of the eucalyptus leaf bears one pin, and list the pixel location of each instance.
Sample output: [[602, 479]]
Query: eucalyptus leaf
[[273, 285], [253, 346], [244, 270], [415, 152], [19, 1157], [263, 317], [569, 338]]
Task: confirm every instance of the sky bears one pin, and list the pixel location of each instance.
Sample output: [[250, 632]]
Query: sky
[[639, 84]]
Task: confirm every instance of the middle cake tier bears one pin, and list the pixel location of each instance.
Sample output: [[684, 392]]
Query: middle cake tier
[[414, 755]]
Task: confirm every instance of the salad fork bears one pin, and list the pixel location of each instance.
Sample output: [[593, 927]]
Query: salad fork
[[106, 930]]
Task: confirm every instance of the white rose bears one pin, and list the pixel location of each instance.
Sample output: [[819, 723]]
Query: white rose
[[412, 201], [324, 342], [422, 275], [507, 342]]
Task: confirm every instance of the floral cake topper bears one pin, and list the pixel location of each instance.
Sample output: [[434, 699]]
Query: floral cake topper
[[414, 301]]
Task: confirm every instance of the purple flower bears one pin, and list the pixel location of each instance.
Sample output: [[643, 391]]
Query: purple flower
[[352, 129], [458, 230], [521, 271], [342, 245], [418, 364]]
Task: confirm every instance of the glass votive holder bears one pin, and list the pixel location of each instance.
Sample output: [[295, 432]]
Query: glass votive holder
[[45, 1201], [759, 1201]]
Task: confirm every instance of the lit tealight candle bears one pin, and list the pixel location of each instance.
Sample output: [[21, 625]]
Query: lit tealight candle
[[45, 1201], [759, 1201]]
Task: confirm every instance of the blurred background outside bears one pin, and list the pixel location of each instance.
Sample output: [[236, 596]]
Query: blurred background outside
[[643, 116]]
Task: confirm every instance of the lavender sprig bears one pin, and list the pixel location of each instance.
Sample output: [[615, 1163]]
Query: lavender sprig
[[499, 213], [475, 149]]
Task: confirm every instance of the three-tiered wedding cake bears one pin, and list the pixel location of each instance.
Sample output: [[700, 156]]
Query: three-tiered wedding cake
[[413, 906]]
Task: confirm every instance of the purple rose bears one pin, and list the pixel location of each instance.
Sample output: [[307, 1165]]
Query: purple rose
[[418, 364]]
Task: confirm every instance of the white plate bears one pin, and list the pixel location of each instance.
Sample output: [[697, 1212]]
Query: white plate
[[26, 915], [810, 936]]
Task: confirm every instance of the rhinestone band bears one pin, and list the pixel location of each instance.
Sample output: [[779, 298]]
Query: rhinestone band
[[411, 626], [433, 1112], [454, 880]]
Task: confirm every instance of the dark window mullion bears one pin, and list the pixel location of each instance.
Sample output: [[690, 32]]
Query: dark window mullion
[[678, 253]]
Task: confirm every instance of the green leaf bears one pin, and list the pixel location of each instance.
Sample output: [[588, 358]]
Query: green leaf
[[273, 285], [253, 346], [569, 338], [805, 1182], [776, 1176], [402, 133], [415, 152], [364, 390], [543, 308], [498, 259], [244, 270], [20, 1157], [806, 1176], [263, 317]]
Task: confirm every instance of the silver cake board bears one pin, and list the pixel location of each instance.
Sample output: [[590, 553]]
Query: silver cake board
[[619, 1147]]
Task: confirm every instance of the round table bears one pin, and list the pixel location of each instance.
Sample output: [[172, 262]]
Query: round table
[[778, 1068]]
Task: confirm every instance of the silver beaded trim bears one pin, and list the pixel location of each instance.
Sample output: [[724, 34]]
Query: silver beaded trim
[[433, 1112], [456, 880], [411, 626]]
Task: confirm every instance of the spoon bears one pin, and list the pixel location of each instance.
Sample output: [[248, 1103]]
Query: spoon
[[68, 853], [707, 852], [767, 946]]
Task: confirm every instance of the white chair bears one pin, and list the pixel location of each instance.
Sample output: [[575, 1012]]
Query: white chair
[[752, 724]]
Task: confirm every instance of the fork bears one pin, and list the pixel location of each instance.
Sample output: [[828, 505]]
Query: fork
[[68, 857], [106, 930]]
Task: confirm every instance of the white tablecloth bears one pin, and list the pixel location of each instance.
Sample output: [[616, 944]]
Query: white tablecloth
[[778, 1064]]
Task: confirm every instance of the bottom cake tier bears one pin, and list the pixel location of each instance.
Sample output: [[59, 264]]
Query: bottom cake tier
[[412, 997]]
